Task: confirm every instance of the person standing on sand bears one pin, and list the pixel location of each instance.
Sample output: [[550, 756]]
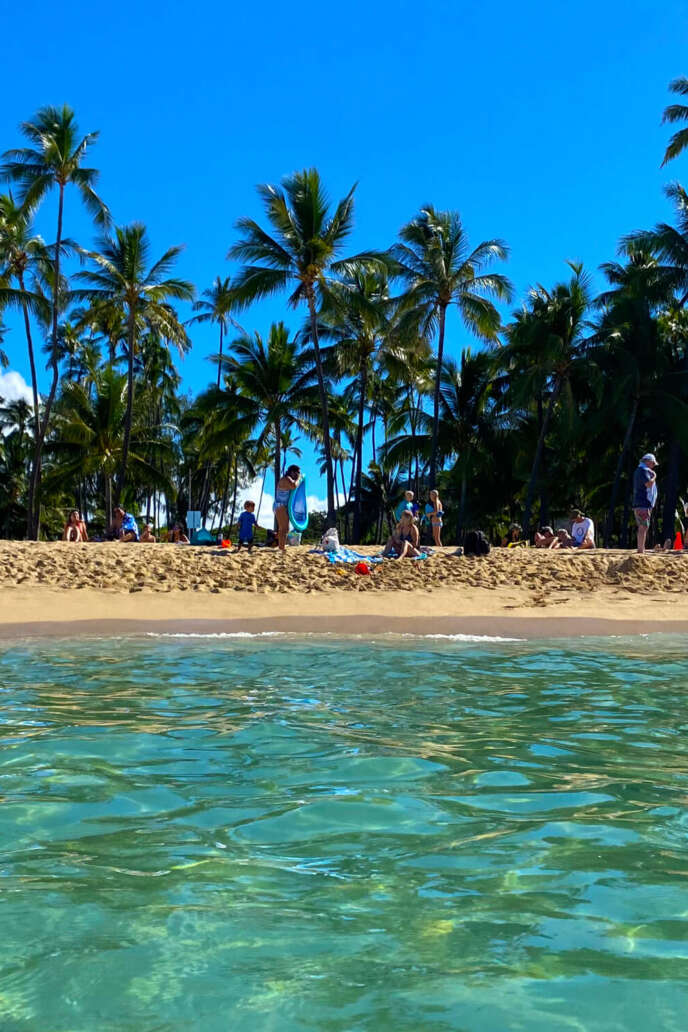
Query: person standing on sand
[[247, 526], [435, 512], [644, 496], [288, 483], [407, 503]]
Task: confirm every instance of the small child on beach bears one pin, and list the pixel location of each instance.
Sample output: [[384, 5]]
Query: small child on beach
[[247, 525]]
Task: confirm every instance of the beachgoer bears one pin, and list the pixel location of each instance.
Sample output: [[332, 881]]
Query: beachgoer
[[247, 525], [147, 535], [405, 538], [644, 496], [436, 514], [546, 538], [582, 530], [513, 537], [564, 538], [127, 527], [178, 536], [288, 483], [407, 503], [75, 528]]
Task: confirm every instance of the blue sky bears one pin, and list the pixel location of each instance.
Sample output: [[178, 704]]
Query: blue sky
[[539, 121]]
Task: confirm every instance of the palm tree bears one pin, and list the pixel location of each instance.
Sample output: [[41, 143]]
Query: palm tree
[[676, 113], [631, 345], [273, 378], [22, 256], [217, 432], [123, 275], [215, 306], [545, 344], [440, 269], [302, 250], [88, 437], [669, 244], [357, 316], [54, 159]]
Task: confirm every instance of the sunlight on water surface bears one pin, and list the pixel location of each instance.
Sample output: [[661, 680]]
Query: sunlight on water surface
[[293, 834]]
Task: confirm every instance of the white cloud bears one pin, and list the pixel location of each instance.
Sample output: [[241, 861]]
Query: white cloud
[[316, 504], [13, 386]]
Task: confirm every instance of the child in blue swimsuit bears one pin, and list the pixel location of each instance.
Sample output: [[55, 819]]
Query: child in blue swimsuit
[[247, 525]]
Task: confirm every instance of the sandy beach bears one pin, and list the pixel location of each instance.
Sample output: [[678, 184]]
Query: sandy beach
[[55, 588]]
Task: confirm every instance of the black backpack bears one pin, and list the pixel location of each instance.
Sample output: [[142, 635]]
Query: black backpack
[[476, 543]]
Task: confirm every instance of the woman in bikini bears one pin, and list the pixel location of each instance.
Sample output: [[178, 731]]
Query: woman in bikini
[[434, 511], [405, 539], [287, 484], [75, 528]]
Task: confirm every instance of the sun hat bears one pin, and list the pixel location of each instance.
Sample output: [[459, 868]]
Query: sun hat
[[649, 457]]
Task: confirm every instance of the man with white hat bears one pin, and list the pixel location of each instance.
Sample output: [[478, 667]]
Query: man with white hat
[[644, 496]]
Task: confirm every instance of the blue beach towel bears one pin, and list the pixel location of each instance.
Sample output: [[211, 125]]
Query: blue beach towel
[[347, 555]]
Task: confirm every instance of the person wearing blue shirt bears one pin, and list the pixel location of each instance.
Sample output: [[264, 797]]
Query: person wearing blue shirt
[[644, 496], [126, 527], [406, 504], [247, 525]]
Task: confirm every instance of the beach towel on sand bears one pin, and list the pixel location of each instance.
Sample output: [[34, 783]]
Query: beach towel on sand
[[347, 555]]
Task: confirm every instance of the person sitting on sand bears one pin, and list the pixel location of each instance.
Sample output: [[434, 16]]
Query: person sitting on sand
[[286, 484], [407, 503], [564, 538], [405, 539], [75, 528], [582, 530], [147, 535], [434, 511], [247, 526], [178, 536], [127, 528], [546, 538], [513, 537]]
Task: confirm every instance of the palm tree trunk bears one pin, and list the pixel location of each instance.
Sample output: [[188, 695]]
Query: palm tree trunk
[[126, 438], [219, 364], [538, 456], [35, 487], [36, 410], [671, 488], [278, 463], [225, 495], [436, 401], [262, 490], [609, 526], [108, 501], [325, 411], [363, 389], [462, 507], [234, 495]]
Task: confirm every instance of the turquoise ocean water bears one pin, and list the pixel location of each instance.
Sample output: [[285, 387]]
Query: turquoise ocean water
[[330, 834]]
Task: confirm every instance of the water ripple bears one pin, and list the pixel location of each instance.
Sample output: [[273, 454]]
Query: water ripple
[[338, 835]]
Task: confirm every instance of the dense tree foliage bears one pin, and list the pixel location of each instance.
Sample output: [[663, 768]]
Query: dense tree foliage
[[512, 416]]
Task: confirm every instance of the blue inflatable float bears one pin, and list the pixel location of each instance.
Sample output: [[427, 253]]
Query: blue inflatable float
[[298, 507]]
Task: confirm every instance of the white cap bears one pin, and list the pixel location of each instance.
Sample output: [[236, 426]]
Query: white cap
[[649, 457]]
